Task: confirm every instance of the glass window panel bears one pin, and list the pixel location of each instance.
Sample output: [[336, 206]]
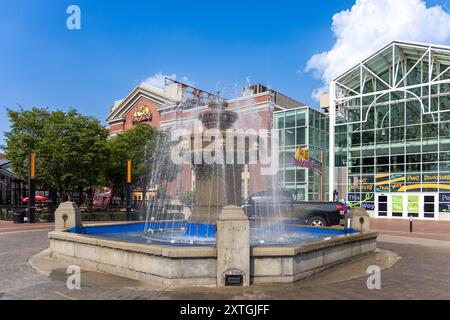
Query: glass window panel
[[301, 118], [289, 176], [444, 130], [356, 139], [413, 167], [413, 112], [368, 137], [301, 133], [368, 161], [382, 116], [429, 157], [413, 158], [382, 136], [398, 115], [430, 131], [383, 160], [281, 137], [427, 167], [289, 137], [301, 175], [280, 121], [370, 169], [413, 133], [290, 119], [397, 168], [398, 134], [429, 146]]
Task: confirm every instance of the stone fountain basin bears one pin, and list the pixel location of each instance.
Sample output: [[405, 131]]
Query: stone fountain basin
[[196, 265]]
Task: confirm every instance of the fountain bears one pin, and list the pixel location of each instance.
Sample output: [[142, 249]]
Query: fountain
[[218, 185], [217, 244]]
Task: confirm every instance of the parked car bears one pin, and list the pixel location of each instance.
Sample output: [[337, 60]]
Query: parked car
[[281, 204]]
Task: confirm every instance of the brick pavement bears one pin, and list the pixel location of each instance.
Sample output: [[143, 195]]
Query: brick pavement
[[439, 230], [422, 273]]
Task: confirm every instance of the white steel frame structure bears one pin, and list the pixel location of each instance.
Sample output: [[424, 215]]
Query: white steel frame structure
[[379, 96]]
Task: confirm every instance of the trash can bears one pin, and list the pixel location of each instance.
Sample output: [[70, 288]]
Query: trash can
[[18, 217]]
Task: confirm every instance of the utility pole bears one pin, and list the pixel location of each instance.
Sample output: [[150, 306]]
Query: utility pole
[[32, 189]]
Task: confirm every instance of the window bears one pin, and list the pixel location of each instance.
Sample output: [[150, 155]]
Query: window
[[301, 133], [289, 137], [301, 118], [280, 121], [290, 120]]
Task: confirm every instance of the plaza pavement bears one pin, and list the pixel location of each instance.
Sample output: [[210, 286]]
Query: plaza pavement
[[423, 272]]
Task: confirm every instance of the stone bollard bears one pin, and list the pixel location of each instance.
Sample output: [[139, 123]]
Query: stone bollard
[[360, 219], [233, 248], [67, 215]]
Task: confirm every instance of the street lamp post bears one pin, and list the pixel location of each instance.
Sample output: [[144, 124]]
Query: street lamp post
[[128, 190], [32, 189]]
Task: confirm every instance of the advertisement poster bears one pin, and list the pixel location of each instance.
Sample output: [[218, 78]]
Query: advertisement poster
[[397, 203], [413, 204]]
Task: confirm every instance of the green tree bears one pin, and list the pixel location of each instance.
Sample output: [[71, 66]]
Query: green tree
[[70, 148], [136, 145]]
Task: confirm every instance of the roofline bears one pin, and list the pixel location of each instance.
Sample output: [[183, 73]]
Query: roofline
[[302, 107], [143, 87], [400, 42]]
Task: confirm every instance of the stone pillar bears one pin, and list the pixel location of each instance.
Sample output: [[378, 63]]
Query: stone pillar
[[360, 219], [233, 247], [67, 215]]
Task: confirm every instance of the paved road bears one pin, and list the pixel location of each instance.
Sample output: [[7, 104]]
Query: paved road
[[423, 273]]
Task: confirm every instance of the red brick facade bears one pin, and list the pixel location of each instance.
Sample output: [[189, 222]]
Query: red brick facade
[[255, 112]]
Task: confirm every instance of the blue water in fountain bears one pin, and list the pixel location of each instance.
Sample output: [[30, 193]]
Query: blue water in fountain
[[187, 233]]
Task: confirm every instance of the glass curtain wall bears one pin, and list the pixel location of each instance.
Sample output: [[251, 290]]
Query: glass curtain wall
[[392, 128], [308, 128]]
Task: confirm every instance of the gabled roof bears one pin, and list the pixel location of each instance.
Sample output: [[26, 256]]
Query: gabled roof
[[147, 91]]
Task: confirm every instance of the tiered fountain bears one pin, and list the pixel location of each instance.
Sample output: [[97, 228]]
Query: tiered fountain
[[197, 251]]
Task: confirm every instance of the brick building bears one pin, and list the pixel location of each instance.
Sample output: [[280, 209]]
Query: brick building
[[178, 105]]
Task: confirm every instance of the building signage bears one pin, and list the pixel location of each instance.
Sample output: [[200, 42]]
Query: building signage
[[142, 114], [444, 197], [368, 205], [301, 158], [411, 182]]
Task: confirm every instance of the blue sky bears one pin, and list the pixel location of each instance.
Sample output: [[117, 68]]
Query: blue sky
[[216, 44]]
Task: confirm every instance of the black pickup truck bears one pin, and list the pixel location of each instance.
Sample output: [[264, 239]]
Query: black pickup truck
[[266, 205]]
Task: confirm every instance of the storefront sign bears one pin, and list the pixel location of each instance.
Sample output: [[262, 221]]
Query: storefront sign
[[444, 197], [368, 205], [354, 197]]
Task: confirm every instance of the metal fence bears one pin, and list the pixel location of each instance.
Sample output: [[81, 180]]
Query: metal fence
[[114, 211]]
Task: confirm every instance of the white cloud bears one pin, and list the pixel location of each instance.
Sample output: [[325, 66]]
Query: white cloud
[[158, 79], [371, 24]]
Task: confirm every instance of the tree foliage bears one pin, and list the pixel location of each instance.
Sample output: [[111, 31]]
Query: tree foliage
[[70, 148], [137, 145]]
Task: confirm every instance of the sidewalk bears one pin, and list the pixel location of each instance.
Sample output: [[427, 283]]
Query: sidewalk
[[436, 230], [7, 227]]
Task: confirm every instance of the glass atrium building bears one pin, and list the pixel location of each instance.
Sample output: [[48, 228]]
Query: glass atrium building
[[304, 127], [390, 132]]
